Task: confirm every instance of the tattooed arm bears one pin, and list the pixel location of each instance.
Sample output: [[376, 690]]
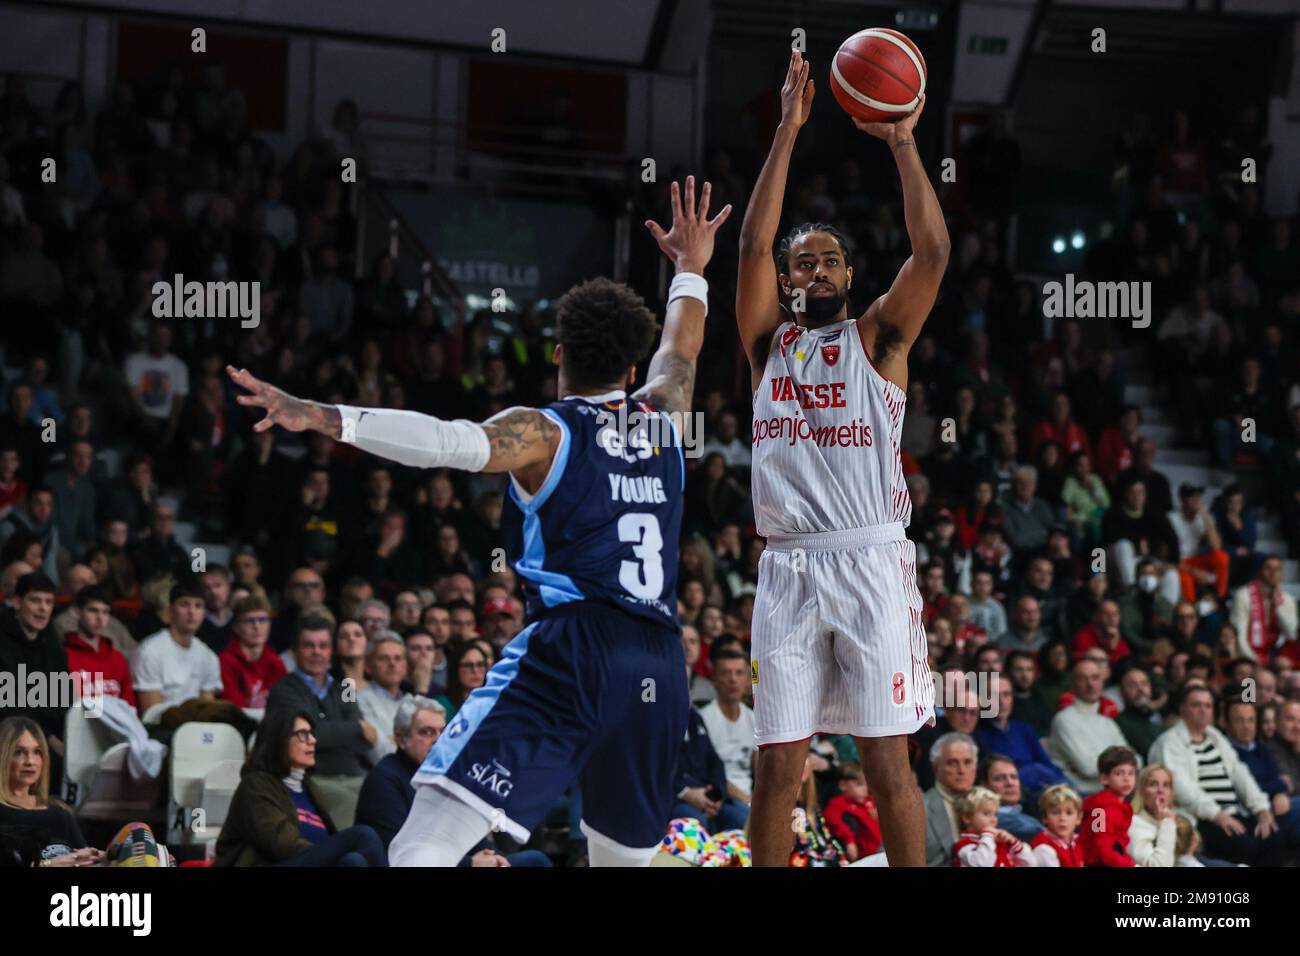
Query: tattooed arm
[[518, 440]]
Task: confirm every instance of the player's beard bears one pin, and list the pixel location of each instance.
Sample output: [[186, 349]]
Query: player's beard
[[820, 309]]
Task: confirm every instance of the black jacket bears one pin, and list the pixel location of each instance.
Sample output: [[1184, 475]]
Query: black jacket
[[44, 655], [698, 764]]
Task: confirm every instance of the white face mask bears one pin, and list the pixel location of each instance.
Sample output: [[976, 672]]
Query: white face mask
[[1205, 607], [1148, 582]]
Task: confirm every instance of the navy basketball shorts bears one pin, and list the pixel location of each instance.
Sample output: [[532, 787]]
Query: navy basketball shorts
[[585, 692]]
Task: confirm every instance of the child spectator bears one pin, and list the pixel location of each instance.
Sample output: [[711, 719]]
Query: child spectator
[[852, 816], [1107, 813], [1060, 808], [1186, 843], [981, 843]]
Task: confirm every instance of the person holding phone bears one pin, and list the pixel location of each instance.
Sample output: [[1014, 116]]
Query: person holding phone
[[701, 782]]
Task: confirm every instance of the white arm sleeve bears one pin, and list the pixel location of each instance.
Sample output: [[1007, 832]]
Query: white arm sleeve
[[411, 438]]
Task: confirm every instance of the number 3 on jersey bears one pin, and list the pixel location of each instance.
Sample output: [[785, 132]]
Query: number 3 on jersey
[[643, 578]]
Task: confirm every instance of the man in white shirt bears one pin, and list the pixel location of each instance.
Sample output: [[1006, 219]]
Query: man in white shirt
[[728, 443], [1080, 732], [386, 664], [158, 382], [730, 723], [171, 667], [1197, 533]]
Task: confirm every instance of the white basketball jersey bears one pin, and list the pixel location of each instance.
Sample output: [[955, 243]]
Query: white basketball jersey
[[825, 436]]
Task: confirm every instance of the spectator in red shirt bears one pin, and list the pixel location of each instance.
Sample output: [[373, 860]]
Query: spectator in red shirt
[[1117, 446], [1060, 428], [1107, 814], [248, 670], [1060, 808], [91, 654], [851, 816], [1103, 632]]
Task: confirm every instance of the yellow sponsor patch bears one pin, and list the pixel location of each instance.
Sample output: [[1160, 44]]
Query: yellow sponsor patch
[[753, 672]]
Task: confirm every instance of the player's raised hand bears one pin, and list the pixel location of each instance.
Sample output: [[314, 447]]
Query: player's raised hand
[[896, 131], [797, 93], [282, 409], [690, 241]]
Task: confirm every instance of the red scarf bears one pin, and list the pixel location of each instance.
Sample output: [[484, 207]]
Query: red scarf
[[1263, 628]]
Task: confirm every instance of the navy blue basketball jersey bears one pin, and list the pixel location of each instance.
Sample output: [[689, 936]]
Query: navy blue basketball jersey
[[606, 523]]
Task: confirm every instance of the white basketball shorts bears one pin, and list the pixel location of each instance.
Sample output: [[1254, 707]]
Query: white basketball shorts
[[838, 639]]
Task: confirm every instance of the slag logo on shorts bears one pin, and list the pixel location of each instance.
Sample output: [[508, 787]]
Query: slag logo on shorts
[[493, 777]]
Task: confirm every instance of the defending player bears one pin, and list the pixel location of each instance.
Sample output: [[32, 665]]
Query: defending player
[[838, 644], [594, 686]]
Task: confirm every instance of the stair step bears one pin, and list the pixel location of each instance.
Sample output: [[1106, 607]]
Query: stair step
[[1164, 436], [1290, 569], [1144, 396], [1271, 546], [1182, 456]]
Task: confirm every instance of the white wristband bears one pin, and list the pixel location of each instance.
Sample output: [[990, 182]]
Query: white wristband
[[692, 286], [411, 438]]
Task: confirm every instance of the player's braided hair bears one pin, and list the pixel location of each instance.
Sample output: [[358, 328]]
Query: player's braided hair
[[783, 250], [604, 327]]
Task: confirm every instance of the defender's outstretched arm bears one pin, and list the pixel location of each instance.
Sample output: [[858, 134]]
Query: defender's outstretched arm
[[670, 380], [758, 303], [512, 440]]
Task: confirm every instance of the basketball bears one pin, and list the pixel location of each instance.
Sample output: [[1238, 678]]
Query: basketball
[[878, 75]]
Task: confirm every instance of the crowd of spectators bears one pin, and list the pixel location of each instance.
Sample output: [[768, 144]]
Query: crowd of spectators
[[359, 602]]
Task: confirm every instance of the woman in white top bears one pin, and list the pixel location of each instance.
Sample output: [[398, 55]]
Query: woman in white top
[[1153, 834]]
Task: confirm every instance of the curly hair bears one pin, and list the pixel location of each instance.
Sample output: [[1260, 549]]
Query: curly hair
[[803, 229], [604, 327]]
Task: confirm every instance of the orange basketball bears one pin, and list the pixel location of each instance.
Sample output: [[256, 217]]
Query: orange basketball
[[878, 75]]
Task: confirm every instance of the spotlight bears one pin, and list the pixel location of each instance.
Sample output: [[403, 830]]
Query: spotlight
[[1058, 245], [1077, 240]]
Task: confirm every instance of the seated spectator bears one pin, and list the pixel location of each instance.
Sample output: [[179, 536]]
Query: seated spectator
[[1285, 744], [349, 658], [1003, 735], [1108, 813], [1132, 530], [1212, 785], [953, 758], [1085, 497], [157, 552], [1054, 676], [1140, 720], [1081, 732], [701, 688], [981, 841], [1102, 632], [172, 669], [218, 616], [387, 794], [33, 523], [701, 782], [986, 611], [386, 664], [1239, 532], [30, 818], [1058, 844], [1025, 632], [426, 664], [248, 668], [1026, 518], [1239, 720], [1265, 617], [730, 723], [278, 816], [1153, 833], [467, 668], [344, 737], [1020, 670], [28, 645], [1202, 560], [1249, 398], [851, 815], [1000, 776], [97, 667]]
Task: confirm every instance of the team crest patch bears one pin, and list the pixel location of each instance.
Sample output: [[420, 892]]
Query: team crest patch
[[831, 348]]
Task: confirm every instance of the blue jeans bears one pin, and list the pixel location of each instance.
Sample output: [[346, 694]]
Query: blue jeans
[[732, 816], [1227, 439], [355, 846]]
